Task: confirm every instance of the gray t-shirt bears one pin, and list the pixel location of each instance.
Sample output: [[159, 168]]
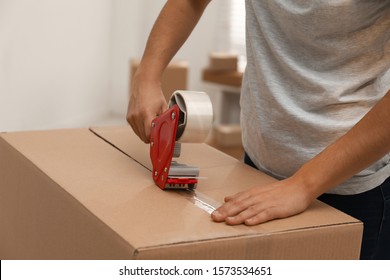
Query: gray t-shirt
[[314, 69]]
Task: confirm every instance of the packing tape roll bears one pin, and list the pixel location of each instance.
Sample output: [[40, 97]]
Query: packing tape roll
[[196, 115]]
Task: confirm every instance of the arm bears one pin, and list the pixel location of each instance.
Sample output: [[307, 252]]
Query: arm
[[365, 143], [173, 26]]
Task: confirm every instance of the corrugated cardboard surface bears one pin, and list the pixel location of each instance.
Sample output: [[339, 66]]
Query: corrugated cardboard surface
[[88, 194]]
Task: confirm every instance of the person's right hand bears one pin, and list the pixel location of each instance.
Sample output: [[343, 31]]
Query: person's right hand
[[146, 102]]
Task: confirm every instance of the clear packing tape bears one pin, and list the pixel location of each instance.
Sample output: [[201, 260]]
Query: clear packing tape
[[200, 200]]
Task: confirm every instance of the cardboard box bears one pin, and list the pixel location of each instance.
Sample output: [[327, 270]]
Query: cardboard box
[[223, 62], [174, 77], [88, 194], [227, 139], [228, 135], [228, 78]]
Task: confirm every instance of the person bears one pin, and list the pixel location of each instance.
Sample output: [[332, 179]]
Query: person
[[315, 107]]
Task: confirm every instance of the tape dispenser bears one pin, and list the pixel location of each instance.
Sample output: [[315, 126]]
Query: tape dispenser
[[188, 119]]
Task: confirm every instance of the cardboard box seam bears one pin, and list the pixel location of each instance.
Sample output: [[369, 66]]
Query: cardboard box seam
[[66, 193], [125, 153], [117, 148]]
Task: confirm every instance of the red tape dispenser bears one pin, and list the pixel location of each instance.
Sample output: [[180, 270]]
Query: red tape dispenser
[[188, 119]]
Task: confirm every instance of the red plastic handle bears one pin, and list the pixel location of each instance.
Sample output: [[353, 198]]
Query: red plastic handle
[[162, 142]]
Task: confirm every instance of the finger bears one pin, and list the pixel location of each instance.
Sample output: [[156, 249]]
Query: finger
[[142, 123], [263, 216], [149, 117], [140, 130], [237, 196], [134, 118], [146, 129], [258, 214], [133, 124], [232, 207], [270, 213], [142, 134], [147, 123], [164, 107], [229, 198], [134, 127], [243, 216]]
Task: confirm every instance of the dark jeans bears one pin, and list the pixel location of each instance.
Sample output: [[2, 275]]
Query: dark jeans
[[373, 209]]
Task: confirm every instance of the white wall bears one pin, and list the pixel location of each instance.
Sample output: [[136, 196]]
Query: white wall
[[54, 62], [132, 23], [64, 63]]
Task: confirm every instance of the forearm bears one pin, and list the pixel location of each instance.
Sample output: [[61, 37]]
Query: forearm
[[364, 144], [173, 26]]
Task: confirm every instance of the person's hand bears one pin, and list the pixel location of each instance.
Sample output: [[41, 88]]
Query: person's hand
[[146, 102], [264, 203]]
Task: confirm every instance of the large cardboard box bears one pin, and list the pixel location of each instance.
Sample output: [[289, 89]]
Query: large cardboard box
[[88, 194]]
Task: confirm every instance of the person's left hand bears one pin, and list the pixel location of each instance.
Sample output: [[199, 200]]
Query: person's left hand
[[264, 203]]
